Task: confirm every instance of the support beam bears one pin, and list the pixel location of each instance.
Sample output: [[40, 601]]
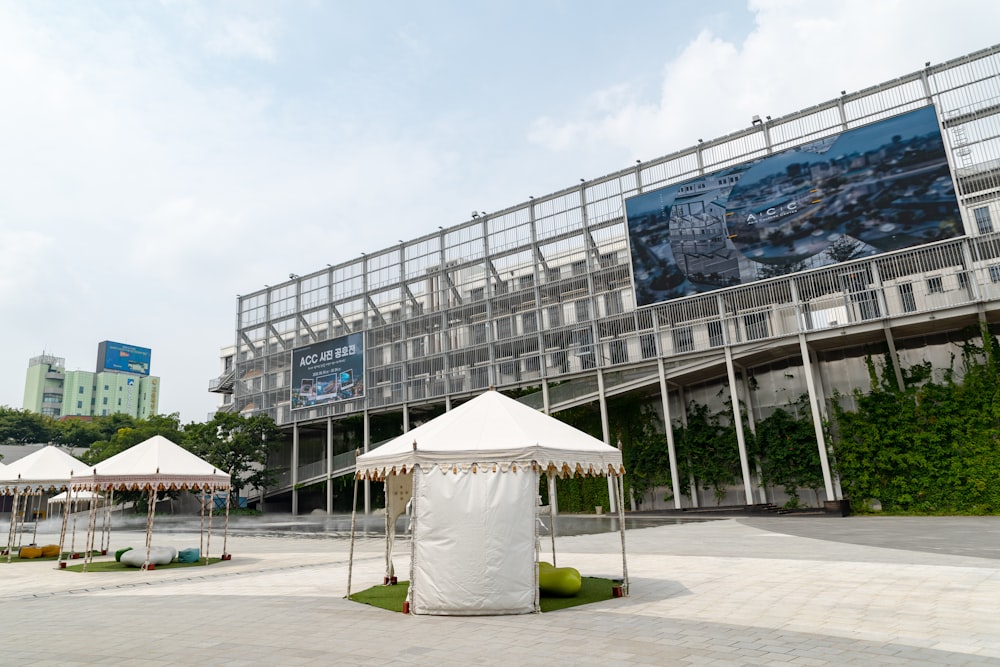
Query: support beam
[[675, 482], [295, 469], [606, 432], [738, 423], [817, 418]]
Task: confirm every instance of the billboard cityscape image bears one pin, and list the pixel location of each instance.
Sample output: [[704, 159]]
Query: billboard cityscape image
[[329, 371], [873, 189], [123, 358]]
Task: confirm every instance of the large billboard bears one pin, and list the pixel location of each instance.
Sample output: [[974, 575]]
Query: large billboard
[[122, 358], [333, 370], [877, 188]]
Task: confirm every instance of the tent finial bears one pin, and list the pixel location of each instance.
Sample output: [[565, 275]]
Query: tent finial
[[492, 388], [414, 445]]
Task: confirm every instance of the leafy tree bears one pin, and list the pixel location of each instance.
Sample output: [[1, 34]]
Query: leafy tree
[[128, 436], [706, 450], [238, 445], [25, 427], [785, 447]]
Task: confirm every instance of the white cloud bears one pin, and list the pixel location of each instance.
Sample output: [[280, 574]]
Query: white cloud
[[241, 37], [798, 54]]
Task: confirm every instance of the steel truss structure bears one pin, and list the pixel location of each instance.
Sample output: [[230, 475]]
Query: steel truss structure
[[542, 293]]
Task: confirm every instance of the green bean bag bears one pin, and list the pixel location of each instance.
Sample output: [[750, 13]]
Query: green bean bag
[[563, 582], [118, 554]]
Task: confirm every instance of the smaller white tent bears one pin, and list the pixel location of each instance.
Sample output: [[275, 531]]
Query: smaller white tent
[[42, 470], [473, 476], [155, 465], [46, 469]]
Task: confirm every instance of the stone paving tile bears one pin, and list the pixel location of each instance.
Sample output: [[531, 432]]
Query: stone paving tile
[[708, 593]]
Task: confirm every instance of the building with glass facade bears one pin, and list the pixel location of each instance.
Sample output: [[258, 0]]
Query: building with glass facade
[[778, 255]]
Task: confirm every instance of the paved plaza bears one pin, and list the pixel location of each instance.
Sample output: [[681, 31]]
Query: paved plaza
[[737, 591]]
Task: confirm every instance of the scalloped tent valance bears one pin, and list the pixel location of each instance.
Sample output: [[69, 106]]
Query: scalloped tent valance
[[156, 463], [49, 468], [493, 432]]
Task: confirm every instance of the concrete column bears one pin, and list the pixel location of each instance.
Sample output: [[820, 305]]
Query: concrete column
[[817, 419], [606, 432], [738, 423], [329, 465], [367, 444], [675, 482], [295, 468]]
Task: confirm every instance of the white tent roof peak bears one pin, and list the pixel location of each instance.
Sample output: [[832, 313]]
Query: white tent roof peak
[[493, 428], [157, 461]]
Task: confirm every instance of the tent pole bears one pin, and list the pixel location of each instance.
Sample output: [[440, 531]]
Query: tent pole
[[13, 518], [72, 536], [552, 514], [350, 557], [201, 528], [620, 492], [225, 531], [88, 544], [65, 520], [38, 505], [109, 504], [150, 511], [538, 554], [208, 538]]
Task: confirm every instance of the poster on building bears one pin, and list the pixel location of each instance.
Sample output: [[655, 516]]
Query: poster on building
[[329, 371], [112, 356], [873, 189]]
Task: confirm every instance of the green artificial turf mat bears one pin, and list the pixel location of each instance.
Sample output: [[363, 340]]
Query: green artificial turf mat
[[593, 589], [391, 597], [384, 597], [115, 566], [65, 556]]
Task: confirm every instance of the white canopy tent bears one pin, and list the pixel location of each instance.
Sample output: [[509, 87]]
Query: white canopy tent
[[46, 469], [473, 476], [155, 465]]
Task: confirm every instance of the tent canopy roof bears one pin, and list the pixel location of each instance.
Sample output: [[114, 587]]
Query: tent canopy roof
[[47, 467], [155, 463], [493, 429]]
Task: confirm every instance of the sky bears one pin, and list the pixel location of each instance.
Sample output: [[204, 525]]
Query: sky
[[159, 158]]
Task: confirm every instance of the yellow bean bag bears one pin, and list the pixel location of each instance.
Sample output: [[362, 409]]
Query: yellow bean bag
[[30, 552], [50, 550]]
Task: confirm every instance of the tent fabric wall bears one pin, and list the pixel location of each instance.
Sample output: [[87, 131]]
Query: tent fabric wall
[[474, 543]]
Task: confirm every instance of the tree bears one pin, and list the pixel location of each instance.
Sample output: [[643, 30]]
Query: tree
[[238, 445], [707, 451], [25, 427], [787, 452], [169, 426]]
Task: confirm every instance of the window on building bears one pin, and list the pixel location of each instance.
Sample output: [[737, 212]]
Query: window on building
[[104, 401], [529, 322], [906, 297], [935, 285], [756, 326], [619, 352], [983, 221], [995, 273], [683, 339], [647, 345], [79, 405], [105, 387], [582, 310], [715, 338], [79, 389]]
